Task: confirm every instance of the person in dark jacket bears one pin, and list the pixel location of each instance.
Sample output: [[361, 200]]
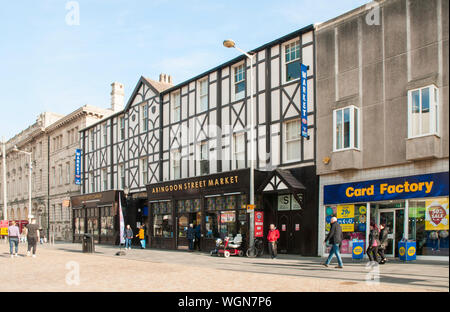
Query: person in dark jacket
[[383, 243], [374, 242], [128, 235], [191, 236], [334, 238], [198, 236]]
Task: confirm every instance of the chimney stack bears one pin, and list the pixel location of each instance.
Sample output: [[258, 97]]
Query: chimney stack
[[117, 96], [164, 78]]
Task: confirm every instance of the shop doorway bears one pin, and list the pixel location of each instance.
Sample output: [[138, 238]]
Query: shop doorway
[[184, 219], [394, 219], [288, 224]]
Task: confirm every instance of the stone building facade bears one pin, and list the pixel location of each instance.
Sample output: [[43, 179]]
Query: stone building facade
[[52, 140], [382, 114]]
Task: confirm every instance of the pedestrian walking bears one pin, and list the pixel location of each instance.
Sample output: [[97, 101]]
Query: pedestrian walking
[[141, 236], [383, 243], [198, 236], [374, 242], [41, 235], [23, 235], [334, 238], [191, 236], [13, 236], [32, 237], [272, 238], [128, 235]]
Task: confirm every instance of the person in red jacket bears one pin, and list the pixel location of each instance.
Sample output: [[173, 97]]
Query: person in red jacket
[[273, 237]]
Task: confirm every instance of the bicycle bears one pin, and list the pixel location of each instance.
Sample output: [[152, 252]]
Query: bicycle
[[257, 250]]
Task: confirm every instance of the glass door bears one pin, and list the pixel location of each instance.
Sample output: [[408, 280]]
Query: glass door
[[387, 216]]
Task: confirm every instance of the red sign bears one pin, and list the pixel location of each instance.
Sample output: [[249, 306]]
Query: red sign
[[297, 227], [283, 227], [259, 224]]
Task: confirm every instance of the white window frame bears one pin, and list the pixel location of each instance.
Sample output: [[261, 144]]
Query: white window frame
[[121, 128], [352, 145], [105, 179], [283, 59], [105, 134], [235, 82], [144, 117], [176, 163], [122, 176], [176, 106], [200, 157], [434, 111], [234, 150], [144, 170], [285, 141], [92, 145], [68, 173], [200, 96]]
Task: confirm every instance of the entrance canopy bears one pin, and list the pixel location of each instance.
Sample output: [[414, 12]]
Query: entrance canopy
[[282, 180]]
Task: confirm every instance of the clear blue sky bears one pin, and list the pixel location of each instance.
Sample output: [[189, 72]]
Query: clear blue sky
[[47, 65]]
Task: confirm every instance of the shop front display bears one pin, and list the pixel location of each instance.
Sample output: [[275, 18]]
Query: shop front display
[[413, 208], [96, 214], [215, 202]]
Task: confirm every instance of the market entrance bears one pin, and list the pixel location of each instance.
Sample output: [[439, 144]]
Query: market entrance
[[288, 224]]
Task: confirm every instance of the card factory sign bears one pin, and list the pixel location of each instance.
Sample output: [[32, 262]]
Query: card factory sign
[[419, 186]]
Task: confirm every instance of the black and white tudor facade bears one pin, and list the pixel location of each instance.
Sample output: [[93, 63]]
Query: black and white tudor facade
[[182, 154]]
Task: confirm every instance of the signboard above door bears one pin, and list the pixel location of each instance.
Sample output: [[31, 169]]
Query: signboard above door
[[288, 202]]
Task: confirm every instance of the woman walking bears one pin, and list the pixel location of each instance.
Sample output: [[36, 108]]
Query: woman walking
[[383, 243], [374, 242]]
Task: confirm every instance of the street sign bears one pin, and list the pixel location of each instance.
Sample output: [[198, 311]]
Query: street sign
[[259, 224], [250, 208]]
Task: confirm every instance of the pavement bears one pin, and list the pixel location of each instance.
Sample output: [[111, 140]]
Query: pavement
[[63, 267]]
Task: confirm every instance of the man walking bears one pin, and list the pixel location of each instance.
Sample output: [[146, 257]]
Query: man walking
[[191, 236], [13, 235], [334, 238], [32, 237], [198, 236], [273, 237]]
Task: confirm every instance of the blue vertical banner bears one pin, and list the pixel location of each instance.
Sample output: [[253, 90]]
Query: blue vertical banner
[[77, 166], [304, 99]]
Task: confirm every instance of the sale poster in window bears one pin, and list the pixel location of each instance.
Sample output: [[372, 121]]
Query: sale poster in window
[[345, 216], [436, 214]]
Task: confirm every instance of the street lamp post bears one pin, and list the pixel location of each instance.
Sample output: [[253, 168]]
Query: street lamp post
[[29, 179], [5, 198], [231, 44]]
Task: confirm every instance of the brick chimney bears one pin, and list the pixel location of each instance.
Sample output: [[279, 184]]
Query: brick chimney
[[117, 96], [164, 78]]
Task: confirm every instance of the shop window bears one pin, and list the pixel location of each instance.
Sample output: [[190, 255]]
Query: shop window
[[211, 225], [428, 226], [162, 220], [423, 113], [106, 221], [353, 221], [227, 223]]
